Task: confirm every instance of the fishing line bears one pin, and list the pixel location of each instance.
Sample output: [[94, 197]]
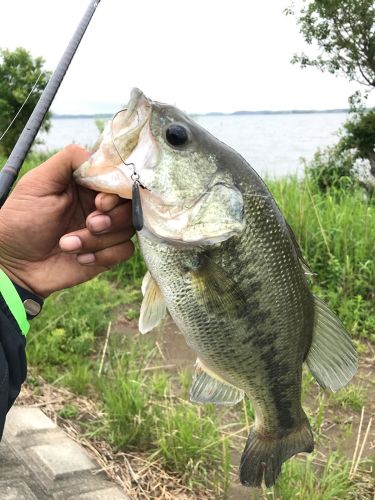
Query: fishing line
[[10, 170], [23, 104], [137, 212]]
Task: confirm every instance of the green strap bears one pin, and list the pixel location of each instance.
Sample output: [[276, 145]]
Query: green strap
[[14, 302]]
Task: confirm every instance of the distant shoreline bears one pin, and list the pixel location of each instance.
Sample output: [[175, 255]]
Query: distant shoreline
[[218, 113]]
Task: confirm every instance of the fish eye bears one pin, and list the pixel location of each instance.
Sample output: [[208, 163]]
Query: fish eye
[[177, 135]]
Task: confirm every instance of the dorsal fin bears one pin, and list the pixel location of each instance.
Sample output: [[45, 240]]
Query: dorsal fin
[[332, 358]]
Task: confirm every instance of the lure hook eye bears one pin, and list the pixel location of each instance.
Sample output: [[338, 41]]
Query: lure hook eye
[[137, 212]]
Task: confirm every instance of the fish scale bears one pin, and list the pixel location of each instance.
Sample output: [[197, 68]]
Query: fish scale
[[227, 265], [237, 350]]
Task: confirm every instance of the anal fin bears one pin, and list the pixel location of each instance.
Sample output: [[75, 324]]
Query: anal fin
[[332, 358], [208, 387], [153, 308]]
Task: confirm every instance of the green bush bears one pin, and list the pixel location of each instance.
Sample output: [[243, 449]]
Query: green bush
[[331, 168], [360, 133], [334, 167]]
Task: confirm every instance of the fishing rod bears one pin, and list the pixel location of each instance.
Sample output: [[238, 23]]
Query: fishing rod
[[12, 167]]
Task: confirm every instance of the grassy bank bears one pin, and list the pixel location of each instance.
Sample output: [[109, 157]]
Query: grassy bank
[[336, 231], [86, 341]]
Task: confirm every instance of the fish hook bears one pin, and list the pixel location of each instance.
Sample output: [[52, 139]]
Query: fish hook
[[137, 211]]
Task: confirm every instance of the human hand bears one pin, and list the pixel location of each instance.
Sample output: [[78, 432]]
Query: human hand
[[55, 234]]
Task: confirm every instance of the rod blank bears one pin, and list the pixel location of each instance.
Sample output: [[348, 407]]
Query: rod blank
[[11, 169]]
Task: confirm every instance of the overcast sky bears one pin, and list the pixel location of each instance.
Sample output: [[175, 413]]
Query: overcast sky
[[201, 55]]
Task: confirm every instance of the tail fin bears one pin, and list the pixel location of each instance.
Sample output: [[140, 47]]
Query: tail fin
[[332, 358], [263, 456]]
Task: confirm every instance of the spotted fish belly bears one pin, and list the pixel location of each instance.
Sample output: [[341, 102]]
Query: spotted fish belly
[[239, 324]]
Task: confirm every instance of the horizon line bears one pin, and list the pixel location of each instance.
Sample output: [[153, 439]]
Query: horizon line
[[214, 113]]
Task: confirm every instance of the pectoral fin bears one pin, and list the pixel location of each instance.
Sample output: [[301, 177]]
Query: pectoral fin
[[332, 358], [208, 387], [217, 290], [153, 308]]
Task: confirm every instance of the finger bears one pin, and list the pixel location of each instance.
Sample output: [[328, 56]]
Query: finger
[[56, 172], [118, 219], [83, 241], [108, 257], [106, 202]]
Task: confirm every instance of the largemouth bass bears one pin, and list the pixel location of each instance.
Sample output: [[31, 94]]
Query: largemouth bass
[[224, 262]]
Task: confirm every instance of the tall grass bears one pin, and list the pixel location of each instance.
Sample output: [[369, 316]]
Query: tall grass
[[190, 443], [72, 322], [307, 480], [126, 391], [142, 413], [336, 232]]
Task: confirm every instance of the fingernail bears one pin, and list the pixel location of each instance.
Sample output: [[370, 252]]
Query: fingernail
[[99, 223], [86, 258], [70, 243]]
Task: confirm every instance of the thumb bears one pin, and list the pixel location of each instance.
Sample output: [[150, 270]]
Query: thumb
[[56, 173]]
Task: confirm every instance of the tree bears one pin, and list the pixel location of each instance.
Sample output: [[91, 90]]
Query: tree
[[344, 32], [359, 136], [19, 72]]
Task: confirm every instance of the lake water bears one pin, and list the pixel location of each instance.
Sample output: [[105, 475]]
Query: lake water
[[272, 144]]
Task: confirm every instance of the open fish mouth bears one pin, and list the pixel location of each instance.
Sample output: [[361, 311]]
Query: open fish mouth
[[147, 142], [111, 166]]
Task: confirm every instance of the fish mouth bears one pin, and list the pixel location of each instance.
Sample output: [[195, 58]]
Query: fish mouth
[[111, 167]]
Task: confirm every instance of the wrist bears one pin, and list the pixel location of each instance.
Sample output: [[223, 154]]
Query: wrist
[[13, 302], [32, 303], [14, 259], [22, 303]]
